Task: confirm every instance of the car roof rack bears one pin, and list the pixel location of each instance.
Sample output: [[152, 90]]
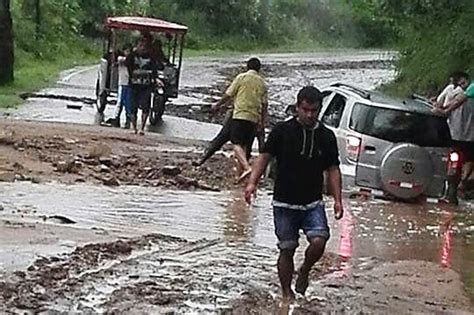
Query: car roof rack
[[363, 93]]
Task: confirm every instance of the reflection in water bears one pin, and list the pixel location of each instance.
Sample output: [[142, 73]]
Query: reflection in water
[[238, 221], [345, 241], [447, 238]]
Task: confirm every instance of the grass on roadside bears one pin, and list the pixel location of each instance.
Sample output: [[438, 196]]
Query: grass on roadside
[[33, 74]]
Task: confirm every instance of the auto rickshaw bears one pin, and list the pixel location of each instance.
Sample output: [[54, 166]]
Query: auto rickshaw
[[107, 79]]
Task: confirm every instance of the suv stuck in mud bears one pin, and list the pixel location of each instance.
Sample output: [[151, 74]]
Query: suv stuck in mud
[[388, 147]]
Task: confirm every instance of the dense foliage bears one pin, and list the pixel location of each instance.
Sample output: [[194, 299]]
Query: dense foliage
[[435, 40], [433, 36], [224, 24]]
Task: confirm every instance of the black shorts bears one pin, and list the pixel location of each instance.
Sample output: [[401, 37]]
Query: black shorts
[[242, 132], [467, 150], [141, 98]]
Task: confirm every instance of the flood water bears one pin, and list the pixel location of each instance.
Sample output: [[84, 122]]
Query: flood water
[[385, 230], [219, 229]]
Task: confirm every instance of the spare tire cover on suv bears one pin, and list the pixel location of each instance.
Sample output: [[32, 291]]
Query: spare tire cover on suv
[[406, 171]]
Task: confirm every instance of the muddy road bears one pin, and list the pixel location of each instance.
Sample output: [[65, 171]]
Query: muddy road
[[97, 220], [203, 81]]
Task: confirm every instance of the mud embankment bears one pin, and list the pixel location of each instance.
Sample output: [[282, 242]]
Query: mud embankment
[[42, 152]]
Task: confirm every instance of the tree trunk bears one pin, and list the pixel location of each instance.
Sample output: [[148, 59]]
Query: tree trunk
[[6, 43], [38, 18]]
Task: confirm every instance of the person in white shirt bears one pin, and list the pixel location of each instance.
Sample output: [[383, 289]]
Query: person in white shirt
[[450, 92], [124, 97]]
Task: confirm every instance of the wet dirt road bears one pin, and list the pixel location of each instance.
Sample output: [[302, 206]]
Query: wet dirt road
[[217, 251], [207, 252], [203, 81]]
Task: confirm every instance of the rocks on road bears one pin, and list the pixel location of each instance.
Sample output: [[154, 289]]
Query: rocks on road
[[40, 152]]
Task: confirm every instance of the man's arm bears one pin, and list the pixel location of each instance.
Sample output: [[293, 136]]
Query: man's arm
[[228, 95], [257, 171], [264, 112], [225, 98], [454, 104], [439, 101], [334, 187]]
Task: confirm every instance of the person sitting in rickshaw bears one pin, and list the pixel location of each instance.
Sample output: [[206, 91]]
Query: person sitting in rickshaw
[[143, 69], [159, 55]]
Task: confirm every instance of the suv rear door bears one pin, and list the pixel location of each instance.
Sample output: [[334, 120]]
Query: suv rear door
[[401, 152], [371, 149]]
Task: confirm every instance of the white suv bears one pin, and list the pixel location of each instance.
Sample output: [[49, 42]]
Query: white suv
[[388, 146]]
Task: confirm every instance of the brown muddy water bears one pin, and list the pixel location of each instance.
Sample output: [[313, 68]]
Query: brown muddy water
[[224, 248]]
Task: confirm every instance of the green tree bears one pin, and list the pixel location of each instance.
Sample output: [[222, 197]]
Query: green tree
[[434, 40], [6, 40]]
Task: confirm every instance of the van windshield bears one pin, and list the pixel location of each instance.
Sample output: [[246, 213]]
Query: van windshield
[[400, 126]]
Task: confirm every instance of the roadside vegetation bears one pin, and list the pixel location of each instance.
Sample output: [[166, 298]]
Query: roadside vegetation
[[432, 36], [434, 39], [51, 35]]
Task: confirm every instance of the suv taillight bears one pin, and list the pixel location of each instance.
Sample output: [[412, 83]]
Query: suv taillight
[[454, 163], [353, 148]]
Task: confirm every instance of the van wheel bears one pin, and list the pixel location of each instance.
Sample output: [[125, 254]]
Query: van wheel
[[158, 108]]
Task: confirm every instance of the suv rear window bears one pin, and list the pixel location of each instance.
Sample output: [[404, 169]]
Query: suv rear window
[[400, 126]]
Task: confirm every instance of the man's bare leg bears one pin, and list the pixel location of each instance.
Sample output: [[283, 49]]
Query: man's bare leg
[[468, 171], [241, 157], [465, 175], [144, 119], [313, 253], [261, 140], [286, 268], [134, 123]]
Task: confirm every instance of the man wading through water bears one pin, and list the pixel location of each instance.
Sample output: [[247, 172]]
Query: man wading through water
[[249, 92], [303, 149]]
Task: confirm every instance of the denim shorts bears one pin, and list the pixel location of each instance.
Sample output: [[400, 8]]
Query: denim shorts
[[289, 222], [125, 98]]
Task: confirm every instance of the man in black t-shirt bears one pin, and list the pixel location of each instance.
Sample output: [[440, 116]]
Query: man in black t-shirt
[[304, 149], [142, 68]]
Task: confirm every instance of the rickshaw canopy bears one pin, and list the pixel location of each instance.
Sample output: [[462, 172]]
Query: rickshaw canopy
[[145, 24]]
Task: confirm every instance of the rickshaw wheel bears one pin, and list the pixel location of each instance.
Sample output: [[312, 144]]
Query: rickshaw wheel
[[158, 108], [101, 99]]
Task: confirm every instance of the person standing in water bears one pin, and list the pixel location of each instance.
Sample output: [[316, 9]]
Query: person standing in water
[[304, 149], [249, 93]]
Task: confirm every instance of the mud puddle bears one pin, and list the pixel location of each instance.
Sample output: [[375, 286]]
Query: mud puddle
[[236, 265]]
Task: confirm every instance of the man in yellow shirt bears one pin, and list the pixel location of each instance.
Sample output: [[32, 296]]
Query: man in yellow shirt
[[249, 92]]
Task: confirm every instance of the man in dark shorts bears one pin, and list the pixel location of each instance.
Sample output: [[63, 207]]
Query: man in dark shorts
[[143, 69], [304, 149], [461, 122], [249, 93], [224, 136]]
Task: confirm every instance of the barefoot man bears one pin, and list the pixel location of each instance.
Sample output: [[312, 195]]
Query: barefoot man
[[304, 150], [249, 92]]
